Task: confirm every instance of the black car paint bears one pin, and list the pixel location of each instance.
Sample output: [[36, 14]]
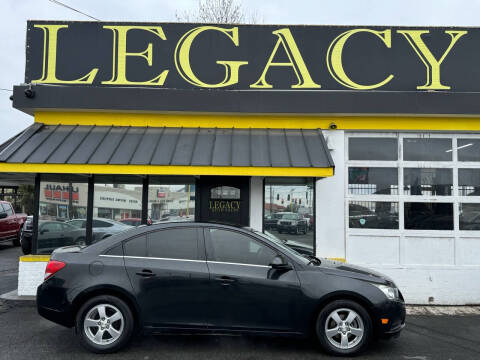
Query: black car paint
[[202, 297]]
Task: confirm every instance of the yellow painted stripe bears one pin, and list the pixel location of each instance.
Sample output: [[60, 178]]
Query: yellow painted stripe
[[35, 258], [164, 170], [261, 121], [338, 259]]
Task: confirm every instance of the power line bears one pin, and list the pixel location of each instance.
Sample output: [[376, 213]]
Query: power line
[[73, 9], [5, 89]]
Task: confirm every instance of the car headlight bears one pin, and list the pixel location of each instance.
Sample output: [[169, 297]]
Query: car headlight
[[389, 291], [294, 222]]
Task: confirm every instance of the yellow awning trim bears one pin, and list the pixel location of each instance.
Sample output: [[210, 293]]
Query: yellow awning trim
[[447, 123], [164, 170]]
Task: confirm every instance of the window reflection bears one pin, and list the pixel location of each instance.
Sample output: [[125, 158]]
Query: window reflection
[[373, 215], [60, 204], [428, 216], [373, 148], [372, 180], [171, 202], [422, 181], [420, 149], [469, 216], [468, 149], [289, 213], [469, 182]]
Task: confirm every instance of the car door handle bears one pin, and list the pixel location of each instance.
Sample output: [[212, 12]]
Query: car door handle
[[145, 273], [225, 280]]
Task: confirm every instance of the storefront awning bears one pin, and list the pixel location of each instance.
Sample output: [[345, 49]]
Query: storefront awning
[[167, 151]]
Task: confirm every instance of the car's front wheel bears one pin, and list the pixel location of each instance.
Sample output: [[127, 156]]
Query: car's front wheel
[[104, 324], [344, 328]]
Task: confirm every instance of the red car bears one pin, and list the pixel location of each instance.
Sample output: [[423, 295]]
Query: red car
[[11, 224]]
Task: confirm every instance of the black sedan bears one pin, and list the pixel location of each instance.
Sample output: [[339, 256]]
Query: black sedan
[[207, 278]]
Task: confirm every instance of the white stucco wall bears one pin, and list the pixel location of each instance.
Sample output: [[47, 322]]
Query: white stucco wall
[[256, 202], [330, 209]]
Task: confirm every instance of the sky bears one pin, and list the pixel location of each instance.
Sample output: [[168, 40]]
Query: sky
[[15, 13]]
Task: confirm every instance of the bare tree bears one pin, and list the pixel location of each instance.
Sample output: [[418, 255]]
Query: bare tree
[[218, 12]]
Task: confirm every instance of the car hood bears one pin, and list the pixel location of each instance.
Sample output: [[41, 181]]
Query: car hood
[[353, 271], [298, 244]]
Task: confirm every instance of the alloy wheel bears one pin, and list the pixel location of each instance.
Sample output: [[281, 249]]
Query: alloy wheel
[[344, 328], [103, 324]]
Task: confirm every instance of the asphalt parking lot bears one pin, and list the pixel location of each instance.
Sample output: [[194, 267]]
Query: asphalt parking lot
[[25, 335]]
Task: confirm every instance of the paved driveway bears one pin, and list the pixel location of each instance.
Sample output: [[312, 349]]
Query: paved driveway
[[8, 268]]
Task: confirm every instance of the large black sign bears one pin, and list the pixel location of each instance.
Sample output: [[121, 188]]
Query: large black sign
[[253, 57]]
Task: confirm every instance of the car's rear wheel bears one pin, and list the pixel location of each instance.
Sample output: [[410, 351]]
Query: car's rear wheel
[[104, 324], [344, 328]]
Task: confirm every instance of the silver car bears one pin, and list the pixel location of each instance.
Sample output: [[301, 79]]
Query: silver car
[[102, 228]]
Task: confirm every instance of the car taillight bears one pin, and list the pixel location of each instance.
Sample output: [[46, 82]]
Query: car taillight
[[52, 267]]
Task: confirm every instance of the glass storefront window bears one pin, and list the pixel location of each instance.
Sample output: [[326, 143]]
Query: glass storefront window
[[60, 205], [469, 216], [423, 181], [115, 207], [422, 149], [372, 181], [289, 213], [373, 148], [469, 182], [428, 216], [373, 215], [468, 149], [171, 202]]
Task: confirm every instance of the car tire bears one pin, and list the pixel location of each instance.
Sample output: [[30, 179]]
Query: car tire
[[26, 245], [115, 335], [16, 239], [334, 341]]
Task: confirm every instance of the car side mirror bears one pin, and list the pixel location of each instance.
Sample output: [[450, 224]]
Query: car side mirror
[[43, 231], [279, 263], [3, 215]]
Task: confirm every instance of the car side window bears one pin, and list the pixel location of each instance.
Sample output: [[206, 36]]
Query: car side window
[[179, 243], [136, 246], [8, 209], [234, 247]]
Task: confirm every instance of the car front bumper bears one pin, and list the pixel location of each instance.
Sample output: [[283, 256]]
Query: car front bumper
[[395, 312]]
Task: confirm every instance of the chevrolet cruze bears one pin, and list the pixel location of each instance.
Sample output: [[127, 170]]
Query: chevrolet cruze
[[210, 278]]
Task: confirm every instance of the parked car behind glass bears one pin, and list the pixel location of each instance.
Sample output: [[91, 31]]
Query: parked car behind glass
[[210, 278], [101, 228], [292, 223]]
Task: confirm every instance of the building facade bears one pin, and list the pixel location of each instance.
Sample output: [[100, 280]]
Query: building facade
[[363, 141]]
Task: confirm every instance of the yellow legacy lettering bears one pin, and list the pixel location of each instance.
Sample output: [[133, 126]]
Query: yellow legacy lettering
[[296, 62], [335, 64], [182, 58], [120, 54], [414, 38], [49, 66]]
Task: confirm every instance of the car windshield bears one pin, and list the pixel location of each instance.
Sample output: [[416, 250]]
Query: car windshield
[[272, 238], [289, 217]]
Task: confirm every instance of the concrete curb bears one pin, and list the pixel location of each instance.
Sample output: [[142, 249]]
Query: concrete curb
[[438, 310], [12, 298]]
